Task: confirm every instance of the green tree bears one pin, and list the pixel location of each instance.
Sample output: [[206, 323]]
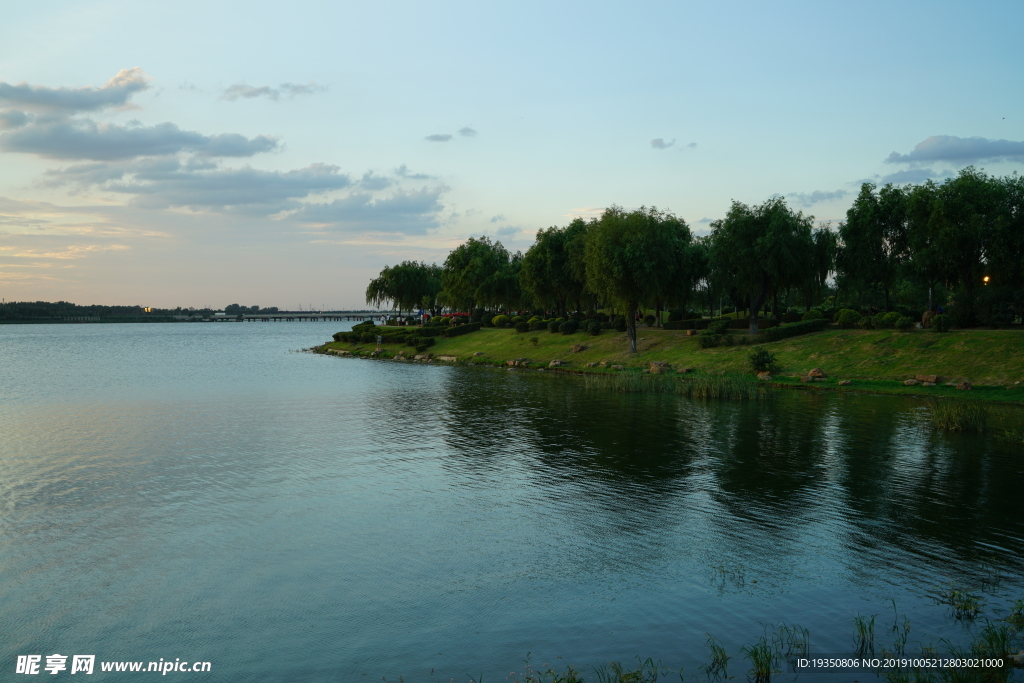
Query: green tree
[[759, 248], [634, 256], [481, 273], [874, 237], [405, 285]]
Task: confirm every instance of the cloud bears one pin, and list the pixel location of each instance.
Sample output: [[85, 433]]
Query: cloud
[[404, 172], [705, 220], [410, 213], [85, 139], [116, 92], [467, 132], [369, 181], [163, 183], [12, 119], [807, 199], [439, 137], [497, 219], [241, 90], [659, 143], [953, 149], [692, 145], [913, 175]]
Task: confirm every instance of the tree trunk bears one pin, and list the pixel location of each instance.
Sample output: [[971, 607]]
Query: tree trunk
[[775, 305], [931, 302], [631, 326], [756, 301]]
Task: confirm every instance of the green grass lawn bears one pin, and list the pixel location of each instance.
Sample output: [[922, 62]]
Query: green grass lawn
[[875, 360]]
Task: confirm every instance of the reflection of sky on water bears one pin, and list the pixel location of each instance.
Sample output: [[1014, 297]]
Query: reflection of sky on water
[[201, 489]]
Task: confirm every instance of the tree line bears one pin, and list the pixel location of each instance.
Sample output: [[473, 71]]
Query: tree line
[[959, 243]]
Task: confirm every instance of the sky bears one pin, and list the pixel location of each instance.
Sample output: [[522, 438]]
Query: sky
[[281, 154]]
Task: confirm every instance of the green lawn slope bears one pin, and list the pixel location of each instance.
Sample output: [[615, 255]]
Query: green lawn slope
[[876, 360]]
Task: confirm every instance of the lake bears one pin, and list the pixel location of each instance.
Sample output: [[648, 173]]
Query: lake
[[208, 492]]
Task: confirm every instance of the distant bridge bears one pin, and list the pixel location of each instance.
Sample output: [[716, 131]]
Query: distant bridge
[[293, 317]]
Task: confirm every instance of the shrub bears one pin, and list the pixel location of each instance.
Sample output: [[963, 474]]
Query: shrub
[[431, 331], [593, 328], [559, 320], [517, 319], [522, 327], [500, 321], [868, 322], [888, 320], [761, 360], [942, 323], [460, 330], [602, 317], [423, 347], [788, 317], [535, 319], [570, 326], [537, 324], [649, 320], [534, 340], [793, 329], [412, 340], [728, 309], [848, 318], [904, 324], [709, 341], [554, 326], [338, 336], [813, 314], [620, 325], [717, 327], [367, 337], [676, 314]]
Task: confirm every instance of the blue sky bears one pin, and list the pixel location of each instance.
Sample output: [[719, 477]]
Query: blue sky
[[195, 154]]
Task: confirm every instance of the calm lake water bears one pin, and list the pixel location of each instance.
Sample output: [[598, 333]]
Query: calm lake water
[[207, 492]]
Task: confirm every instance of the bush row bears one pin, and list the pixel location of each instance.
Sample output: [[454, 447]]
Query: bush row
[[793, 329]]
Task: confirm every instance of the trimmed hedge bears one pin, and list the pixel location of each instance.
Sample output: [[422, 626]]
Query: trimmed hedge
[[793, 329], [460, 330]]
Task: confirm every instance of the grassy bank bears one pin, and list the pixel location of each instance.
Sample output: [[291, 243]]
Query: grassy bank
[[873, 360]]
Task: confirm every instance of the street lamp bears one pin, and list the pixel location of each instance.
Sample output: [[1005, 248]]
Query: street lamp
[[985, 279]]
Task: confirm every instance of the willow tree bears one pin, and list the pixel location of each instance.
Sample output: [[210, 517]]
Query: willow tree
[[406, 285], [759, 248], [635, 256]]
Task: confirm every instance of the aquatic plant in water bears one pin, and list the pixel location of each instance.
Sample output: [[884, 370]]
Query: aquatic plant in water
[[962, 415]]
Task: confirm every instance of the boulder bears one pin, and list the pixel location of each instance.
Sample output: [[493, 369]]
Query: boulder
[[555, 364], [448, 359], [816, 372], [806, 379], [844, 382], [617, 367], [603, 364], [926, 319], [478, 353], [964, 386], [510, 363], [659, 364], [911, 382], [764, 375], [577, 348], [691, 333], [934, 379], [928, 384], [646, 370], [591, 365], [683, 371]]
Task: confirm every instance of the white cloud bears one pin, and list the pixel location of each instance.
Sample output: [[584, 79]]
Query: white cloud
[[243, 91], [954, 149], [116, 92], [438, 137], [659, 143]]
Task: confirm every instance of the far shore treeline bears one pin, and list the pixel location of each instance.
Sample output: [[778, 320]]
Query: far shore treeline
[[958, 245]]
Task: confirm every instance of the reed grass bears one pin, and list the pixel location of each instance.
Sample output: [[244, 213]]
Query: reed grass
[[963, 415], [709, 386], [964, 604], [718, 668], [762, 658], [864, 635]]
